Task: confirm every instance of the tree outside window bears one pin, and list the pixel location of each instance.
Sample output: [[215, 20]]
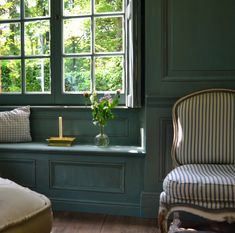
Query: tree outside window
[[92, 52]]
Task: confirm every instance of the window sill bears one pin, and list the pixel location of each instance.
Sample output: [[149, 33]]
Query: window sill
[[41, 147]]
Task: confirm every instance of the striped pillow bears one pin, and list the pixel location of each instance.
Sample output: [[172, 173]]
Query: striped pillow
[[206, 128], [15, 126]]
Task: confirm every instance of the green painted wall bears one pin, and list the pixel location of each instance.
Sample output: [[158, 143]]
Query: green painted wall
[[188, 45]]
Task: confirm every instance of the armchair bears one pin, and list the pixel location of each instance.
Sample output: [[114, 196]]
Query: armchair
[[203, 151]]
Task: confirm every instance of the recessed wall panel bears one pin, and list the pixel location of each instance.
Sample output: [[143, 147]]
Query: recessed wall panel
[[20, 171], [199, 39], [97, 177]]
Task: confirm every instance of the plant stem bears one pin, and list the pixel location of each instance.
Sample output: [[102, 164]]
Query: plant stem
[[101, 129]]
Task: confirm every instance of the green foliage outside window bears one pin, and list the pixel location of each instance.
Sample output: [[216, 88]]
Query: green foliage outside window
[[92, 48]]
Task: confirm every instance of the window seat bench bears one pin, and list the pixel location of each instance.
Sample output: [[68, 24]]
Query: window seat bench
[[85, 149], [78, 178]]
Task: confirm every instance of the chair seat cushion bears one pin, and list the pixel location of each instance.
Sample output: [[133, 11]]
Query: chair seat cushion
[[201, 182], [22, 210], [212, 205]]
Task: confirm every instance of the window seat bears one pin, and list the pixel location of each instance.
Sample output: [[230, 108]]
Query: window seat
[[84, 149], [78, 178]]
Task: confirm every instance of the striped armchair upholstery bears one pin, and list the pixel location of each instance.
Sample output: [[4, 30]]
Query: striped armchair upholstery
[[203, 150], [205, 128]]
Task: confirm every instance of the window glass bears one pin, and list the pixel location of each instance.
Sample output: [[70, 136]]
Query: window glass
[[109, 73], [109, 34], [25, 46], [36, 8], [93, 33], [9, 9], [37, 37], [10, 39], [37, 75], [77, 35], [77, 7], [10, 76], [63, 47], [77, 74], [108, 5]]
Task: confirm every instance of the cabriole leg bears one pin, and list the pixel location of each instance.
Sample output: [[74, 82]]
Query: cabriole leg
[[162, 219]]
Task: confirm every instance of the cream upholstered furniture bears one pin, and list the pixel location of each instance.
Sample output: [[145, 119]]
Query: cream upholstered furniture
[[22, 210], [203, 150]]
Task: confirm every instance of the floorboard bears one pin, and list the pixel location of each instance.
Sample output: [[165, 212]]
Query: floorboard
[[71, 222], [65, 222]]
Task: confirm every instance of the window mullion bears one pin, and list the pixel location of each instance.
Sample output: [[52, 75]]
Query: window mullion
[[23, 73], [92, 46], [56, 49]]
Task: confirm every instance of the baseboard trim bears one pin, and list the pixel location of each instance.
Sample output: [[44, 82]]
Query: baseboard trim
[[149, 204], [115, 208]]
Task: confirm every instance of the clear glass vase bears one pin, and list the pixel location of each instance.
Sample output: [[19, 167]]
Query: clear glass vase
[[102, 139]]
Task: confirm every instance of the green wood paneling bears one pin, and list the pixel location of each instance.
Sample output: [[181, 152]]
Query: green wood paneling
[[87, 176], [201, 37], [123, 130], [20, 170], [78, 181], [189, 46]]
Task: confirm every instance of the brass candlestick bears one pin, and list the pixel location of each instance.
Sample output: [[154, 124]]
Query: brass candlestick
[[60, 141]]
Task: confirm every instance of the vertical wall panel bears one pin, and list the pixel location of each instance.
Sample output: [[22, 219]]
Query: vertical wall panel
[[189, 46]]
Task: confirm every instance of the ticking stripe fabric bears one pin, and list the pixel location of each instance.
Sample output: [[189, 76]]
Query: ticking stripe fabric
[[206, 128], [166, 200], [201, 183]]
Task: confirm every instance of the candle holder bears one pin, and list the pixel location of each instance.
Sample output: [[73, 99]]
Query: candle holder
[[60, 141]]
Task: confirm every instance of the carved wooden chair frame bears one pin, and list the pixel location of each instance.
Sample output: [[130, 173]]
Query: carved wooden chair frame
[[165, 210]]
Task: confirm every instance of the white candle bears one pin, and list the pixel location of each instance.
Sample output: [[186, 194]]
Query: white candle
[[60, 127]]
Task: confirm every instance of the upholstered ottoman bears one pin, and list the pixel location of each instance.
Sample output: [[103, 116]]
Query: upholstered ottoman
[[22, 210]]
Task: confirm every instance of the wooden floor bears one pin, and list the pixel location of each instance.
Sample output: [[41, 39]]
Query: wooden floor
[[65, 222]]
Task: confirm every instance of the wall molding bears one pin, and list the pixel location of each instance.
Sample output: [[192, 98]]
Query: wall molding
[[172, 73], [12, 166], [160, 101], [149, 204], [166, 131], [116, 208], [95, 182]]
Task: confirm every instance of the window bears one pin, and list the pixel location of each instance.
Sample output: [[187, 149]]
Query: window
[[94, 45], [52, 51], [25, 47]]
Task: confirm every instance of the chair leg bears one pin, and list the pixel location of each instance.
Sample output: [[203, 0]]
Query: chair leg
[[162, 219], [230, 219]]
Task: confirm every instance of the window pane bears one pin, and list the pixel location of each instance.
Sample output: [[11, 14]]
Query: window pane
[[108, 5], [9, 39], [9, 9], [108, 34], [10, 76], [77, 7], [77, 74], [36, 8], [77, 36], [37, 38], [38, 75], [109, 73]]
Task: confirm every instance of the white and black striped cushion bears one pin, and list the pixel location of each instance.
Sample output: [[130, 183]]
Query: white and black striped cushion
[[166, 200], [204, 182], [206, 128]]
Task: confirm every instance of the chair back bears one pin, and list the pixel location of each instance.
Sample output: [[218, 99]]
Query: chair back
[[204, 128]]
